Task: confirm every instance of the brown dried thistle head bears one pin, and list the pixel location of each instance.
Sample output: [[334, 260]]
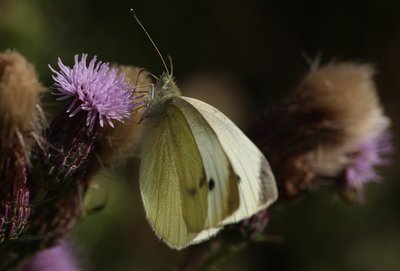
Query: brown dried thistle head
[[20, 113], [320, 132]]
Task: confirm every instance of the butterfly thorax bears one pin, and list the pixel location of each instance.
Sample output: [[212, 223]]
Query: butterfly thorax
[[163, 91]]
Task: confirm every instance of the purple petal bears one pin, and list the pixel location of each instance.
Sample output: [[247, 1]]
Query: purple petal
[[371, 153], [96, 88]]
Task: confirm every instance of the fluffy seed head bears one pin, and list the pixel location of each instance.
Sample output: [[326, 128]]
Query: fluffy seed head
[[98, 89], [19, 98], [345, 93], [343, 98]]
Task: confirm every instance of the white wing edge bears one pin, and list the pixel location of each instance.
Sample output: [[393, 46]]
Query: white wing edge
[[205, 235]]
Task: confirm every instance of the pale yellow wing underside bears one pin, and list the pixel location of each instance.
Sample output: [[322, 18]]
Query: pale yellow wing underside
[[181, 156], [257, 184], [172, 179]]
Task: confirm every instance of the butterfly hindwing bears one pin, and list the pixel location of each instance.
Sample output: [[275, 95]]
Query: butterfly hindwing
[[172, 179], [222, 182], [257, 184]]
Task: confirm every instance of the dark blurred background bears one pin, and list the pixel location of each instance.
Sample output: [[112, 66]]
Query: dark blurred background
[[243, 57]]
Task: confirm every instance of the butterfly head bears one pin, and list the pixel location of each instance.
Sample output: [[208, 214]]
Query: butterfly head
[[164, 89], [166, 86]]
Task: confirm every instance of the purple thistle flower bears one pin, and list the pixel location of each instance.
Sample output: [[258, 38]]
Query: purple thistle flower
[[371, 153], [58, 258], [98, 89]]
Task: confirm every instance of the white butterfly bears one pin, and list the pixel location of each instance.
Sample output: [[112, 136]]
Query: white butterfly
[[199, 171]]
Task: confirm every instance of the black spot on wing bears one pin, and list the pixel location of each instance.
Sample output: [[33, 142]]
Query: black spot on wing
[[193, 190], [211, 184]]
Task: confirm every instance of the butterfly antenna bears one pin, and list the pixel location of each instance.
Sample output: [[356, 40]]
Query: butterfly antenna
[[151, 40], [171, 65]]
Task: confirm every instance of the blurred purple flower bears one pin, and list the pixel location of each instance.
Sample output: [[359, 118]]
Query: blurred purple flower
[[98, 89], [255, 225], [58, 258], [371, 153]]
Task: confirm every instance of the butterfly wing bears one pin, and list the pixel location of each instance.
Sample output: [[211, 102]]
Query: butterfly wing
[[176, 169], [222, 182], [257, 185], [172, 179]]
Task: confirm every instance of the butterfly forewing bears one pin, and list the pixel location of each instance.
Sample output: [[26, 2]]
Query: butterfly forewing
[[257, 184], [172, 179]]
